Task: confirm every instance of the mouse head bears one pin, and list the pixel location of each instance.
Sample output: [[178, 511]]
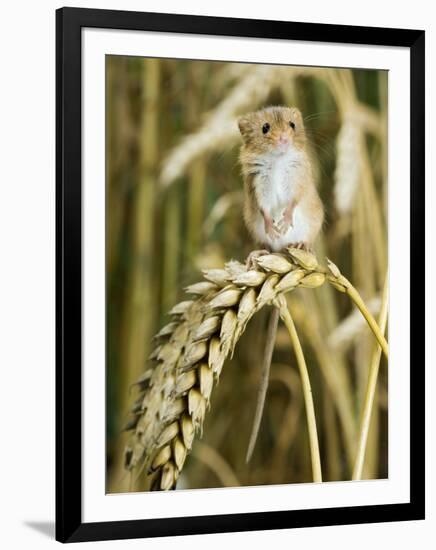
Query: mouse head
[[273, 130]]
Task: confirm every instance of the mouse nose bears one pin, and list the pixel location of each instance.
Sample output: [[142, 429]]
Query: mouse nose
[[283, 138]]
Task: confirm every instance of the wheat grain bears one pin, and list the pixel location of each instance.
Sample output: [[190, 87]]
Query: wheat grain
[[192, 348]]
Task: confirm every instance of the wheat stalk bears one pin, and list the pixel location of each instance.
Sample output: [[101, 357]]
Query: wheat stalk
[[307, 390], [370, 390], [174, 392]]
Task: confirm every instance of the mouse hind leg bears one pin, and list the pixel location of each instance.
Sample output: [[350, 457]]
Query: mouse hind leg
[[307, 224]]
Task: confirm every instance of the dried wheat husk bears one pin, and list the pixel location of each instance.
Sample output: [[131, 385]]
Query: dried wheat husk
[[176, 393]]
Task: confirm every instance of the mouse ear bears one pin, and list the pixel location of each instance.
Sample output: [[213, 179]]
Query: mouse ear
[[296, 114], [243, 125]]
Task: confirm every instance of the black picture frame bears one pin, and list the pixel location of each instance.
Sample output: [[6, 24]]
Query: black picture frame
[[69, 23]]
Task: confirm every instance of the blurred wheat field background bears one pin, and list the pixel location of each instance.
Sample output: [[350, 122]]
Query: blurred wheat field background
[[174, 207]]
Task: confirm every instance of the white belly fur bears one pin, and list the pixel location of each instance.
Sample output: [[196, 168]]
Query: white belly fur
[[275, 187], [298, 232], [274, 194]]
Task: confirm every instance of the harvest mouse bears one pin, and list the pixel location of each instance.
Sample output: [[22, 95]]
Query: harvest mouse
[[281, 204]]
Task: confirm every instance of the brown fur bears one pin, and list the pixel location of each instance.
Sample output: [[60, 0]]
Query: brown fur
[[257, 148]]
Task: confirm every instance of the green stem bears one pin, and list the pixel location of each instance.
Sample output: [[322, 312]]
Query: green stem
[[307, 390], [370, 391], [355, 296]]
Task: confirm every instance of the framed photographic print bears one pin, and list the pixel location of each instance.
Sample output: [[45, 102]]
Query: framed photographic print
[[233, 352]]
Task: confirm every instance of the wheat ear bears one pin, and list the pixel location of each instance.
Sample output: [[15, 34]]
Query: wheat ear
[[174, 391]]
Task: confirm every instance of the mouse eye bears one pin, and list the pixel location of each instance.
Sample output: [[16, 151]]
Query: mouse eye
[[292, 125], [265, 128]]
